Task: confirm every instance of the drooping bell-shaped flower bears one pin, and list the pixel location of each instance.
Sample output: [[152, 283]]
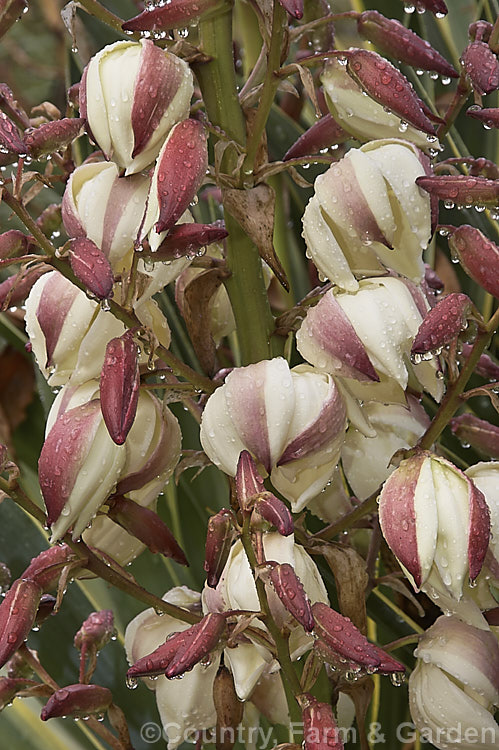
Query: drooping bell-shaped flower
[[131, 95], [367, 213], [291, 421]]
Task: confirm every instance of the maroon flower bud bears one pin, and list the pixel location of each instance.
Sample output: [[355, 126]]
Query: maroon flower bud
[[10, 687], [249, 483], [442, 324], [485, 367], [179, 172], [187, 239], [45, 569], [341, 636], [173, 15], [386, 85], [45, 609], [432, 279], [73, 95], [13, 243], [273, 510], [182, 650], [53, 136], [478, 255], [478, 433], [15, 289], [481, 67], [50, 219], [218, 543], [95, 631], [461, 189], [488, 116], [320, 731], [119, 386], [392, 38], [146, 526], [324, 133], [17, 615], [290, 591], [10, 12], [10, 106], [437, 7], [77, 700], [480, 31], [293, 7], [10, 141], [91, 267]]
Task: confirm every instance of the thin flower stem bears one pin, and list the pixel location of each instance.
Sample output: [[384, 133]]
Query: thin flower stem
[[299, 31], [348, 520], [406, 640], [93, 8], [460, 97]]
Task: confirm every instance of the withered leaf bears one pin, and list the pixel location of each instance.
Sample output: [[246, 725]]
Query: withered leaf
[[349, 570], [197, 297]]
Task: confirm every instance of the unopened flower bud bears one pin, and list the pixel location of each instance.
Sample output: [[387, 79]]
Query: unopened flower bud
[[481, 67], [131, 95], [392, 38], [489, 116], [389, 87], [485, 367], [10, 12], [293, 7], [186, 239], [10, 141], [478, 255], [273, 510], [443, 323], [438, 7], [10, 687], [481, 435], [147, 526], [436, 522], [13, 243], [91, 267], [53, 136], [119, 386], [180, 170], [96, 631], [340, 634], [219, 539], [290, 591], [17, 615], [77, 701], [320, 730], [249, 483], [461, 189], [45, 609], [50, 219], [176, 14], [324, 133], [45, 569]]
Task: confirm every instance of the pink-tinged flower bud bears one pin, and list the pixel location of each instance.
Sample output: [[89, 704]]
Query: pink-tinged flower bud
[[249, 483], [485, 367], [438, 7], [219, 537], [91, 267], [455, 685], [45, 569], [325, 340], [324, 133], [478, 255], [15, 289], [480, 31], [488, 116], [53, 136], [362, 116], [291, 421], [290, 591], [293, 7], [389, 87], [320, 731], [10, 12], [10, 141], [17, 615], [96, 631], [106, 208], [485, 475], [13, 243], [12, 686], [443, 323], [392, 38], [367, 213], [178, 174], [177, 14], [147, 526], [481, 435], [182, 651], [436, 522], [131, 95], [77, 700], [341, 635], [461, 189], [119, 386], [273, 510], [186, 239], [481, 67]]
